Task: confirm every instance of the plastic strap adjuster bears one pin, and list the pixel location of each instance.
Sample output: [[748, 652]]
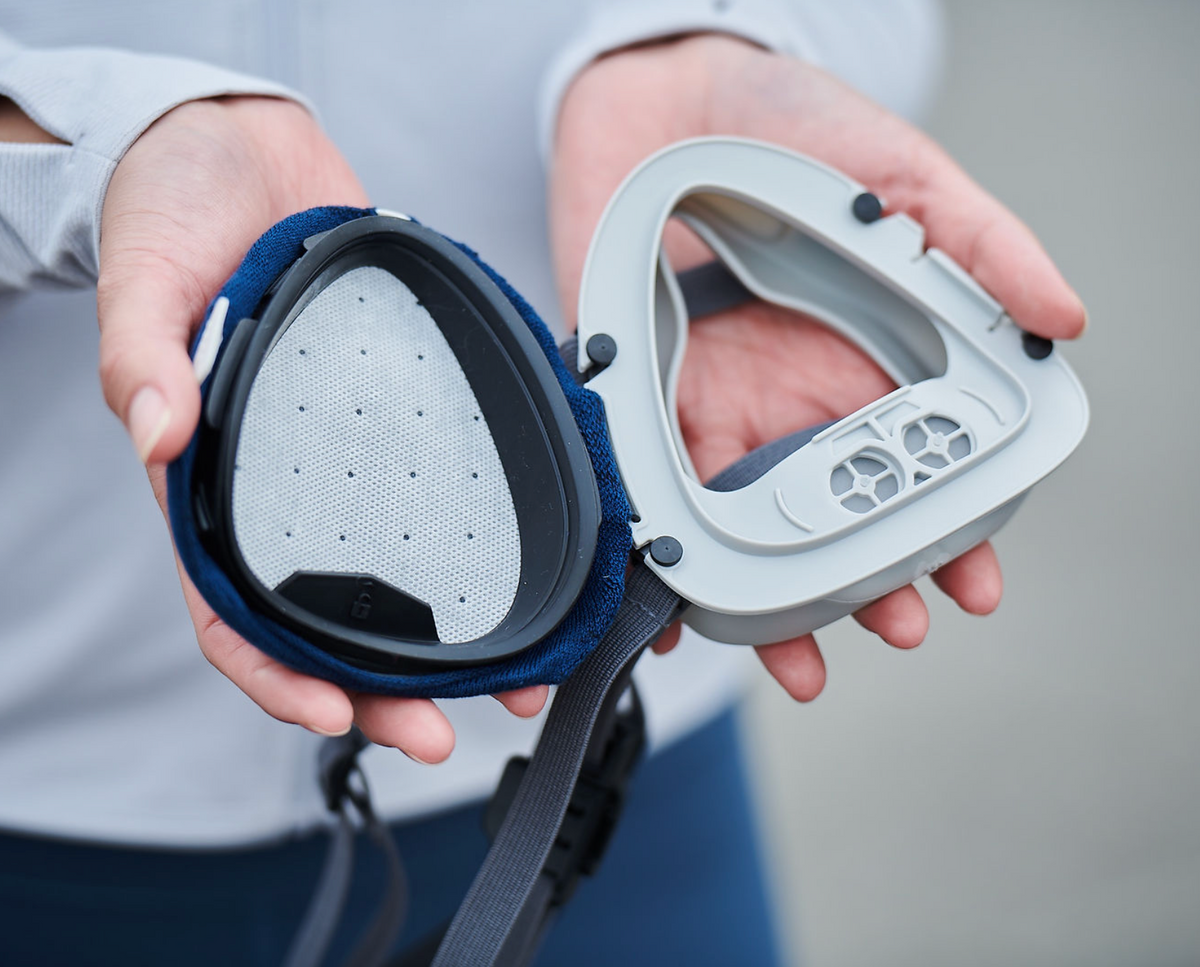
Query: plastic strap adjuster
[[595, 805]]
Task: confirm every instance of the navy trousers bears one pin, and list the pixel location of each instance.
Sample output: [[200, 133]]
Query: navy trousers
[[682, 883]]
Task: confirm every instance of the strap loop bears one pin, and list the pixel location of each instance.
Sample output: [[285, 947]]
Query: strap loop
[[337, 760], [344, 786]]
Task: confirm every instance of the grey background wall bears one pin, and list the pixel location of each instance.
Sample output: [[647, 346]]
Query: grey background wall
[[1026, 788]]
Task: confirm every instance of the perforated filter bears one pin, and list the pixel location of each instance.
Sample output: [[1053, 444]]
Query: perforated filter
[[387, 465], [364, 450]]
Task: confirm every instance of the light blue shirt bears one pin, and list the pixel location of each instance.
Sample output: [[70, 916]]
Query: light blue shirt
[[112, 725]]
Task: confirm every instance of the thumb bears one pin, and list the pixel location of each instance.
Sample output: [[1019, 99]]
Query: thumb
[[145, 312]]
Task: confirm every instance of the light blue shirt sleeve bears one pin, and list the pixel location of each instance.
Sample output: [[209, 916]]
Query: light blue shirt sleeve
[[99, 101]]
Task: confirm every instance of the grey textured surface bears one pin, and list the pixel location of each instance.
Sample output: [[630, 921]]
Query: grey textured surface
[[1026, 788], [363, 450]]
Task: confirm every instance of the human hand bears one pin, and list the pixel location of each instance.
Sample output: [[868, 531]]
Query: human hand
[[758, 372], [186, 202]]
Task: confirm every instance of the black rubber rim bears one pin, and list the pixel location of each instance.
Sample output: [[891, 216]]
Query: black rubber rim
[[549, 472]]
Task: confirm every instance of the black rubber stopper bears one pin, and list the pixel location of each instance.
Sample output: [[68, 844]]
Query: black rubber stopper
[[1035, 346], [601, 349], [666, 551], [867, 208]]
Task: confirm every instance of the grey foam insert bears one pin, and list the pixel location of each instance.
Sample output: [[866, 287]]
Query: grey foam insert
[[363, 449]]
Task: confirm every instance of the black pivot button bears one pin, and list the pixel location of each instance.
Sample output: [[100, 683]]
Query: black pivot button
[[666, 551], [1035, 346], [867, 208], [601, 349]]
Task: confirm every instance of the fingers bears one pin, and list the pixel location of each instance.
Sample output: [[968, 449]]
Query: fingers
[[183, 206], [171, 229], [797, 665], [415, 726], [145, 314], [914, 175], [973, 580], [524, 702], [279, 691], [803, 107], [997, 249], [899, 618]]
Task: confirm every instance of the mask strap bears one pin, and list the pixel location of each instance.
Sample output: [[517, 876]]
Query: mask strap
[[555, 812], [346, 794], [582, 761]]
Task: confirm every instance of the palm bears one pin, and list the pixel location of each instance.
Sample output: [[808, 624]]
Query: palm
[[758, 372], [754, 374]]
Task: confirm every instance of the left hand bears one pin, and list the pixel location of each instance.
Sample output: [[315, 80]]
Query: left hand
[[758, 372], [185, 203]]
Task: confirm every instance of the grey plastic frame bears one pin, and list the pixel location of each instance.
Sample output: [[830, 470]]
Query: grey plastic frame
[[785, 554]]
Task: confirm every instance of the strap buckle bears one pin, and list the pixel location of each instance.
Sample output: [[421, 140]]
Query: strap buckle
[[596, 802], [337, 761]]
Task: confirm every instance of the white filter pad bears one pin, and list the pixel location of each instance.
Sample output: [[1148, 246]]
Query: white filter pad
[[363, 450]]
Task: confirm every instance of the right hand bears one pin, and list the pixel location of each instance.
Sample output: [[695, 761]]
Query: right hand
[[184, 205], [757, 372]]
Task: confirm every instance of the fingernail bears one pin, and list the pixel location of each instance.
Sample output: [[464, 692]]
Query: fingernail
[[149, 417], [417, 758], [332, 735]]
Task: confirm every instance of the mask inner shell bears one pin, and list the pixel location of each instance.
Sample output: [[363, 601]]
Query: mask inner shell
[[363, 450]]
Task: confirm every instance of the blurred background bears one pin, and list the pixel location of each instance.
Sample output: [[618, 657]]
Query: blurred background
[[1026, 788]]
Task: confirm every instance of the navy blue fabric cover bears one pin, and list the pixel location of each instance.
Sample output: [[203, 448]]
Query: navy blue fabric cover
[[548, 662]]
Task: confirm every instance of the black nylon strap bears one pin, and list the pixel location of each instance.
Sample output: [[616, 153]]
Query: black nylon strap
[[757, 462], [346, 793], [325, 908], [506, 908], [381, 935], [711, 288]]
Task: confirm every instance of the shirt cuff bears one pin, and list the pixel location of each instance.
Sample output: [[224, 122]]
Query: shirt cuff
[[99, 101]]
